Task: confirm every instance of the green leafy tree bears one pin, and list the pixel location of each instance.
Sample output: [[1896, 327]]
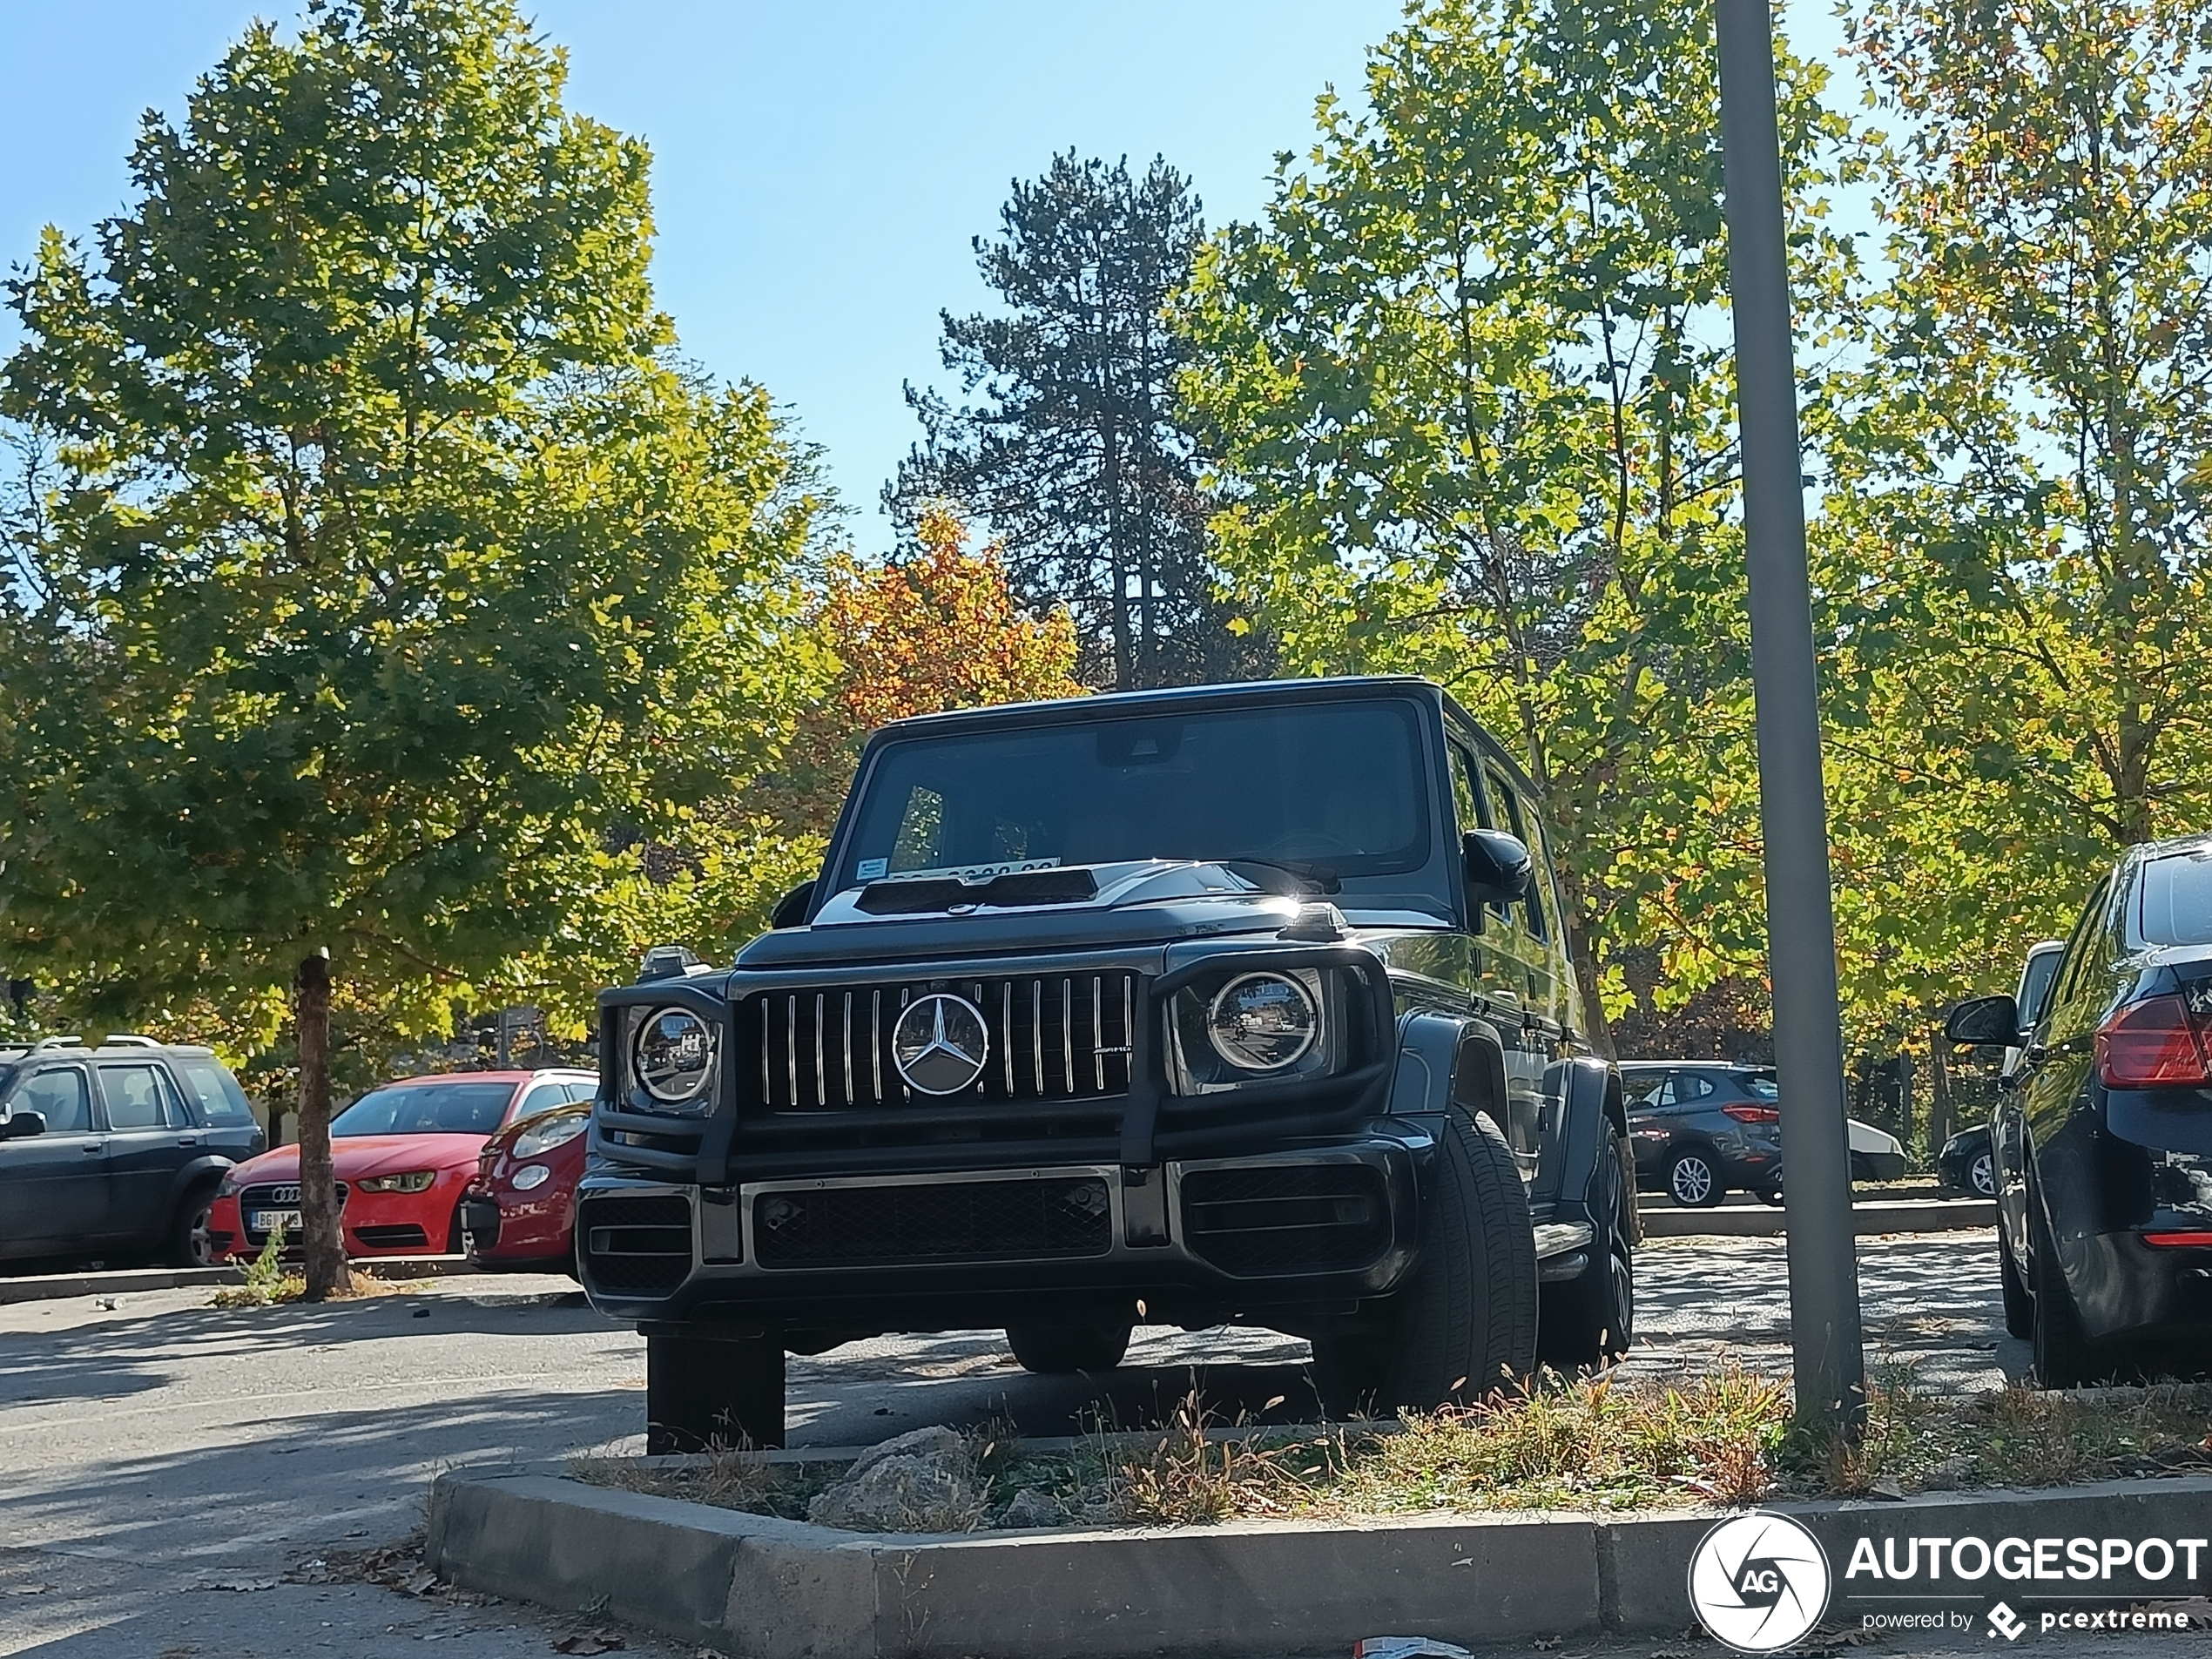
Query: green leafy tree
[[379, 570], [1469, 387], [1073, 449], [2015, 536]]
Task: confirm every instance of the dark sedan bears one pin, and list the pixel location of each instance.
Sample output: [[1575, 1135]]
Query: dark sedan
[[1965, 1163], [1701, 1128], [2102, 1137]]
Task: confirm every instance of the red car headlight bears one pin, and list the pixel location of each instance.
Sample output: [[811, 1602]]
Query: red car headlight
[[412, 1181]]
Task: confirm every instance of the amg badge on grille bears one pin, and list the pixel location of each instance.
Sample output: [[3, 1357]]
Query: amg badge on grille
[[940, 1043]]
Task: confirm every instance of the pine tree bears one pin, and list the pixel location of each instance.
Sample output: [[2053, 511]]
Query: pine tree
[[1070, 447]]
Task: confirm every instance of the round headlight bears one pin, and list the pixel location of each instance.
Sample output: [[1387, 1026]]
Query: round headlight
[[674, 1057], [1263, 1022], [529, 1175]]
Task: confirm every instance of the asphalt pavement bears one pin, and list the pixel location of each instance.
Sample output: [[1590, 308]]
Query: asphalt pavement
[[178, 1480]]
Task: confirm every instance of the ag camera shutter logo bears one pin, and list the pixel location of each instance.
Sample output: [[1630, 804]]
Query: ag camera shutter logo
[[1759, 1581]]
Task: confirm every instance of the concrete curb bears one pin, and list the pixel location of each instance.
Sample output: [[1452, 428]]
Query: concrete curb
[[1897, 1215], [129, 1281], [762, 1588]]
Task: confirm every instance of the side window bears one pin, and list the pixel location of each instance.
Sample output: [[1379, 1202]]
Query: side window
[[2075, 969], [58, 1094], [220, 1097], [1463, 795], [1691, 1087], [922, 830], [1505, 806], [1542, 896], [138, 1097], [1659, 1092]]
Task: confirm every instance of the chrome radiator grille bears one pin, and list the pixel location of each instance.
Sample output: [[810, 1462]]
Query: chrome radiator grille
[[1052, 1037]]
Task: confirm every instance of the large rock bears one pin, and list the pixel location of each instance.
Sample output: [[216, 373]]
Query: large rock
[[923, 1481]]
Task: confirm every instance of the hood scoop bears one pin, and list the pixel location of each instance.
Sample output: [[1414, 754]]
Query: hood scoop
[[1015, 888]]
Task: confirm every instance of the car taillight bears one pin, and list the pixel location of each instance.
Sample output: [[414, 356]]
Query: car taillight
[[2192, 1239], [2156, 1043], [1744, 1112]]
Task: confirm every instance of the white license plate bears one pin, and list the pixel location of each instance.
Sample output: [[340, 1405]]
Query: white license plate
[[262, 1221]]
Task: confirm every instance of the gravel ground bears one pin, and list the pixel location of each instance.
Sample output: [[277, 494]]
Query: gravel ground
[[164, 1465]]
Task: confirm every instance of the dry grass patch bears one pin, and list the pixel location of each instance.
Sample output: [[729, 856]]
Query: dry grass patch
[[2018, 1436], [269, 1280], [1594, 1443]]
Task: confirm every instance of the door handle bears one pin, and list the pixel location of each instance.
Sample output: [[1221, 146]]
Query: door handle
[[91, 1147], [188, 1140]]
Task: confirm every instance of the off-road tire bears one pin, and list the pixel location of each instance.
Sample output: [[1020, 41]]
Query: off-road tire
[[2019, 1306], [1701, 1198], [187, 1242], [1465, 1327], [1062, 1350], [1590, 1320], [2064, 1355], [714, 1390]]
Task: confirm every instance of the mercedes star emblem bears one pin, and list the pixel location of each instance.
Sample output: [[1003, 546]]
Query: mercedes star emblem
[[940, 1043]]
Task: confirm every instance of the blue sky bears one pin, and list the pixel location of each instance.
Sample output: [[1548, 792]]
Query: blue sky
[[819, 168]]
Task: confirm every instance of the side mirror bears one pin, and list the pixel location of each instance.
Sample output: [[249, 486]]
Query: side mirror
[[1496, 865], [14, 1127], [791, 909], [1985, 1021]]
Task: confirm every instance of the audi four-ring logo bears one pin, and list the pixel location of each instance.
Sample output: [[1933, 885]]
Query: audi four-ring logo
[[941, 1043]]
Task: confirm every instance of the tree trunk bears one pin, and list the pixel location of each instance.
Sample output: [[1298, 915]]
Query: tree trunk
[[328, 1274], [1597, 1033]]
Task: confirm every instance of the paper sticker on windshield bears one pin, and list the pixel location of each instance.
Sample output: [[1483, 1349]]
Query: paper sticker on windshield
[[965, 872], [869, 869]]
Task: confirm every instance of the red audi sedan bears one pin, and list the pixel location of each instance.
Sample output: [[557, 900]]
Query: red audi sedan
[[404, 1154], [520, 1211]]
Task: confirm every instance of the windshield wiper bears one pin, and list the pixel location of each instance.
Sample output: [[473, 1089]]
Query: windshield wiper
[[1318, 878]]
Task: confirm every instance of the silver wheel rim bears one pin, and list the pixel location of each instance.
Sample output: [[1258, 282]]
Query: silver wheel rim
[[199, 1245], [1983, 1177], [1693, 1179]]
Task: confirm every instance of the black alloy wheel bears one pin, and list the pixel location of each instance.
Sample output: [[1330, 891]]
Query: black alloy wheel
[[1589, 1321]]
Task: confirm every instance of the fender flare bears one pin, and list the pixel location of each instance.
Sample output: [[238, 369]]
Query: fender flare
[[1589, 1096], [205, 1170]]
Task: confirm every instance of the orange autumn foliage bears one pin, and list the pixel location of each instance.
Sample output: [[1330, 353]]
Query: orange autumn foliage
[[939, 629]]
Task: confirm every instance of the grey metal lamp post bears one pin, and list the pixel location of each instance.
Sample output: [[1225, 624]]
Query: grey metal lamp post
[[1824, 1337]]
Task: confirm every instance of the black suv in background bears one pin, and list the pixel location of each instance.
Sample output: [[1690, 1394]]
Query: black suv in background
[[115, 1148], [2103, 1134], [1701, 1129], [1244, 1003]]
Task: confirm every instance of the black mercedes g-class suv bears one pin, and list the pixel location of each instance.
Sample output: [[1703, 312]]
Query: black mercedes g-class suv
[[1235, 1003]]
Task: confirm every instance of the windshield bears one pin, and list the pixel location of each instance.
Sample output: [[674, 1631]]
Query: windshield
[[1338, 784], [426, 1108], [2177, 900]]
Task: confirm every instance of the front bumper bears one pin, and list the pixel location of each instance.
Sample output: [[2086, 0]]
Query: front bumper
[[503, 1228], [1192, 1240], [370, 1224]]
